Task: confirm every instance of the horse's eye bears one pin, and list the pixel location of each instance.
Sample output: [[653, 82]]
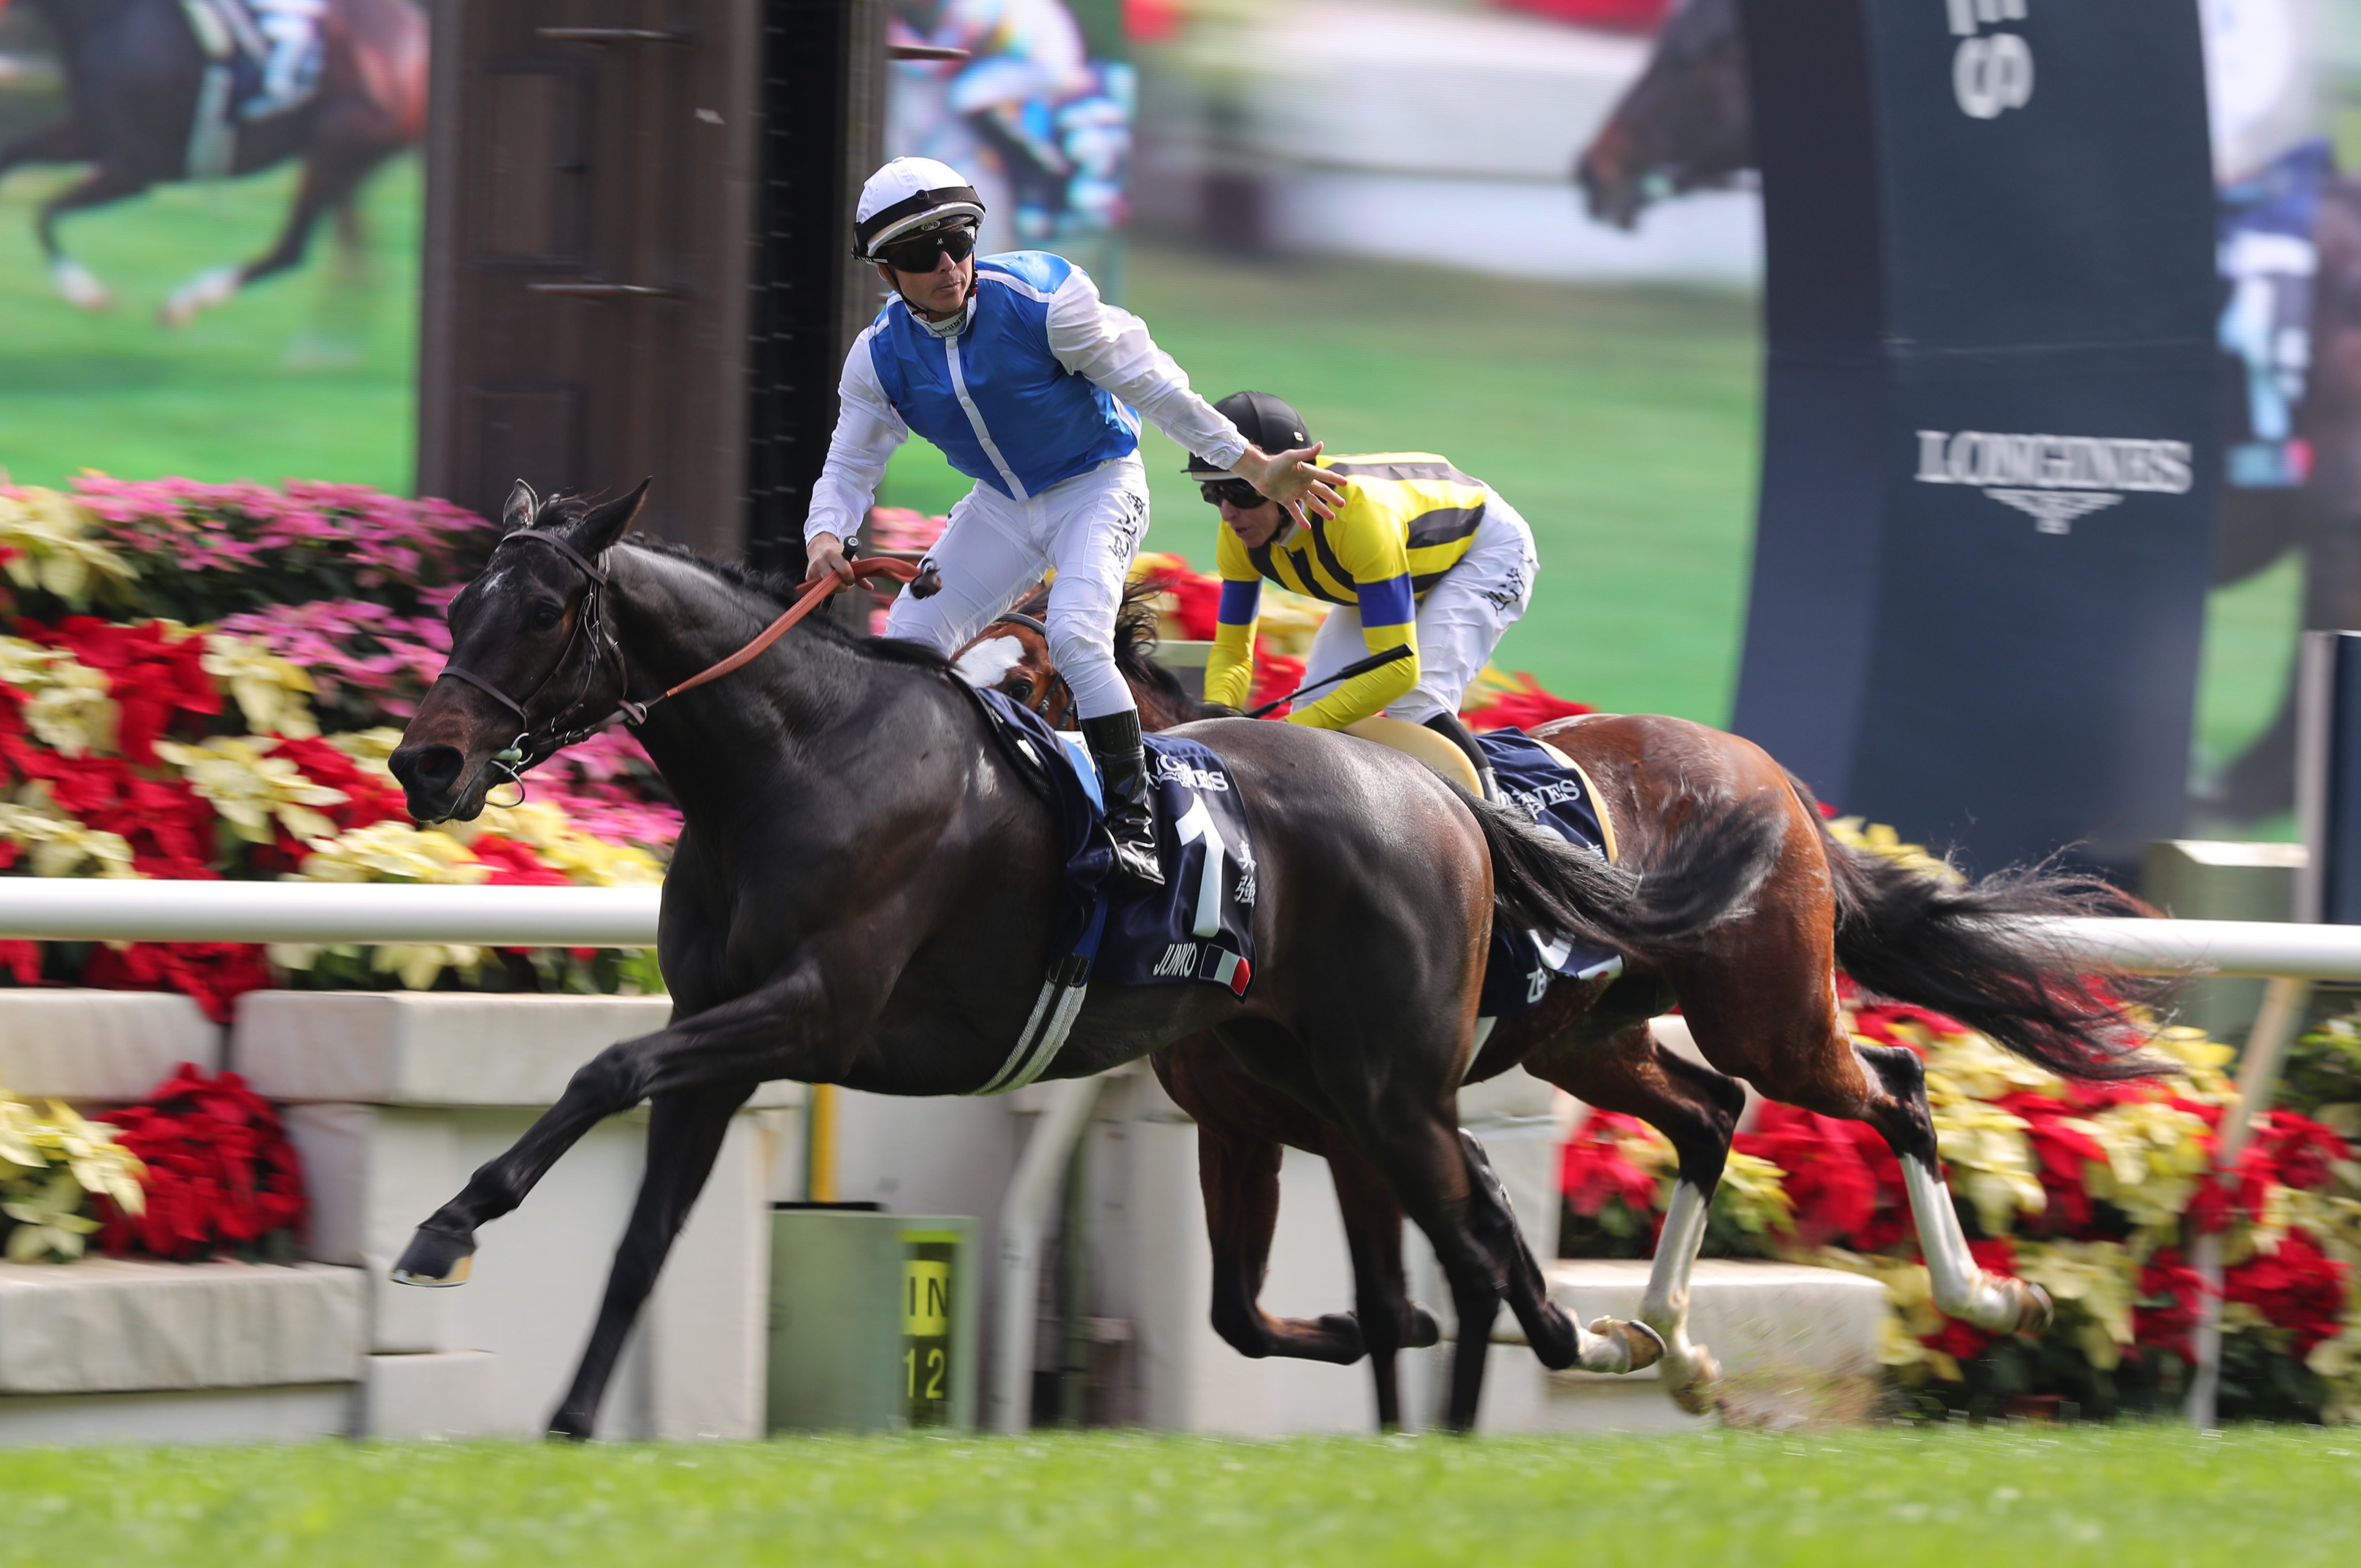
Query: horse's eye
[[544, 616]]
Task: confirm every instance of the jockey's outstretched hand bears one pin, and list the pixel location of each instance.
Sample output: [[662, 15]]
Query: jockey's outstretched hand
[[1292, 480], [823, 557]]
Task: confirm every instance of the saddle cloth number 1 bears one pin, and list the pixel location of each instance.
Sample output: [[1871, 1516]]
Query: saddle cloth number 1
[[1194, 824]]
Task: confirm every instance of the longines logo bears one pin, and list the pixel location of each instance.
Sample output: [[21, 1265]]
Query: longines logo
[[2053, 480]]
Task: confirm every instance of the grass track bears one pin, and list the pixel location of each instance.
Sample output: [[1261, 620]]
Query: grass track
[[306, 374], [2146, 1496]]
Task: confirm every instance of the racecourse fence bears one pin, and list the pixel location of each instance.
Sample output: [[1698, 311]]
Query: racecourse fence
[[2292, 956]]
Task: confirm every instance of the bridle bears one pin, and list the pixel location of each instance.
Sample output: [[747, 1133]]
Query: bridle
[[536, 743], [1056, 679]]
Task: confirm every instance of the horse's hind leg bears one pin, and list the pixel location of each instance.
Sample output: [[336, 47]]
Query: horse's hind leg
[[1782, 1033], [77, 284], [1994, 1303], [331, 176], [1698, 1109], [685, 1134]]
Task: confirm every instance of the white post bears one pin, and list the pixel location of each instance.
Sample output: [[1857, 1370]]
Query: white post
[[2258, 1076], [1024, 1213]]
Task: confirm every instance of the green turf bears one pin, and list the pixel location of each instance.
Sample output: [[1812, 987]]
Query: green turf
[[1890, 1498], [310, 374]]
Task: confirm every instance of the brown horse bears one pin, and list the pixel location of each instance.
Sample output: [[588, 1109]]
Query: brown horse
[[1685, 124], [1759, 995], [136, 73]]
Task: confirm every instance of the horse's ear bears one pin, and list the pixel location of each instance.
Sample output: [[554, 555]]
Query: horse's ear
[[521, 506], [603, 525]]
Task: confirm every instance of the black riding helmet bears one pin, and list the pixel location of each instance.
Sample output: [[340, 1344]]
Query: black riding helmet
[[1263, 420]]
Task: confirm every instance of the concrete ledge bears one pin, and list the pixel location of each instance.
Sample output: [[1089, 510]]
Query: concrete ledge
[[109, 1325], [1797, 1345], [213, 1415], [102, 1046], [382, 1047], [445, 1395]]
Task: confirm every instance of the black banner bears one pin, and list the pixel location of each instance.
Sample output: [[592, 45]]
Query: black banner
[[1989, 442]]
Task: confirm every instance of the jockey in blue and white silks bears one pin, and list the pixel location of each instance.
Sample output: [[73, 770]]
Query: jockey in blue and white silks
[[1034, 388]]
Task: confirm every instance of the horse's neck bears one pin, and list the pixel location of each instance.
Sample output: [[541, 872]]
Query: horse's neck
[[717, 745]]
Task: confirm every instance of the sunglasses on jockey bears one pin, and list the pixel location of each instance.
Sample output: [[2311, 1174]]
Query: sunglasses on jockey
[[1237, 492], [924, 252]]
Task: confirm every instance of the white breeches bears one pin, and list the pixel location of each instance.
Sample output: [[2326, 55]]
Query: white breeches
[[1460, 621], [994, 549]]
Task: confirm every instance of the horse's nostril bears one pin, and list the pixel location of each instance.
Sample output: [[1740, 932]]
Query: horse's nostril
[[435, 769]]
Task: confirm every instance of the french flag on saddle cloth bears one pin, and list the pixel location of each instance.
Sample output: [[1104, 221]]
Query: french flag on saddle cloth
[[1541, 782], [1198, 925]]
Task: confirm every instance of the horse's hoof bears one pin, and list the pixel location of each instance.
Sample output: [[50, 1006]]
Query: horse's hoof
[[78, 286], [2034, 1308], [567, 1427], [1635, 1345], [206, 289], [1346, 1328], [1423, 1330], [435, 1258], [1696, 1393]]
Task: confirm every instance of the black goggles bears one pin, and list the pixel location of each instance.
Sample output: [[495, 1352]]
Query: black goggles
[[923, 254], [1237, 492]]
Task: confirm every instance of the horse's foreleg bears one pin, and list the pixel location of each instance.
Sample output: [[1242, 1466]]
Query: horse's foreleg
[[331, 176], [1698, 1109], [75, 283], [685, 1134], [749, 1040], [1962, 1290], [1390, 1320]]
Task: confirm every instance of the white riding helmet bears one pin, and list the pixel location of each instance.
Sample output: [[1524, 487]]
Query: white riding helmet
[[910, 195]]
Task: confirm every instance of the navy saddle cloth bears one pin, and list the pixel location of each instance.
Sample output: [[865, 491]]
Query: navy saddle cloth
[[1200, 923], [1521, 965]]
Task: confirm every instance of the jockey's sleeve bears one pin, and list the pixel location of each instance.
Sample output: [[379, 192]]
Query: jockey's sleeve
[[867, 431], [1370, 540], [1229, 668], [1111, 347]]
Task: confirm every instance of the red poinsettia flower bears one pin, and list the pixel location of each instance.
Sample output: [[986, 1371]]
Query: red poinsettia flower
[[215, 974], [2169, 1293], [1594, 1169], [1844, 1181], [2298, 1288], [220, 1169]]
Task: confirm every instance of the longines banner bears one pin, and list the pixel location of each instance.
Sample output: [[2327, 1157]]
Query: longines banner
[[1988, 446]]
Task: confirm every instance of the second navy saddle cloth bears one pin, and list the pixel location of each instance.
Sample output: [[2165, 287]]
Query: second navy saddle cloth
[[1522, 964]]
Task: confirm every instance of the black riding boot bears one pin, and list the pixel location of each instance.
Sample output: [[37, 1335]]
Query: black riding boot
[[1114, 740], [1448, 726]]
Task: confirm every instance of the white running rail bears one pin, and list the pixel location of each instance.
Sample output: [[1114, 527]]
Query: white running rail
[[94, 909], [109, 909]]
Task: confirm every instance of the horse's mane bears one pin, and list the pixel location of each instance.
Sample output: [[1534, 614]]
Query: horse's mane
[[776, 589], [1136, 642]]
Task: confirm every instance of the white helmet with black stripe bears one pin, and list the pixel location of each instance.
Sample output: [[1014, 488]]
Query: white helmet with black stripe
[[911, 196]]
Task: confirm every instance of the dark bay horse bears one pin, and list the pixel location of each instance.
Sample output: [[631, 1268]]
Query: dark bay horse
[[136, 71], [865, 887], [1686, 124], [1758, 992]]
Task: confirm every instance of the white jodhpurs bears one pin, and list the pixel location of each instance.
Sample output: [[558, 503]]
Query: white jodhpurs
[[994, 549], [1460, 621]]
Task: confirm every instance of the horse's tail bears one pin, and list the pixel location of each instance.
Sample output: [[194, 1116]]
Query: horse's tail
[[1964, 949], [1709, 866]]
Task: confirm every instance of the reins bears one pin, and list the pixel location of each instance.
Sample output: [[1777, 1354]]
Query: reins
[[532, 746]]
